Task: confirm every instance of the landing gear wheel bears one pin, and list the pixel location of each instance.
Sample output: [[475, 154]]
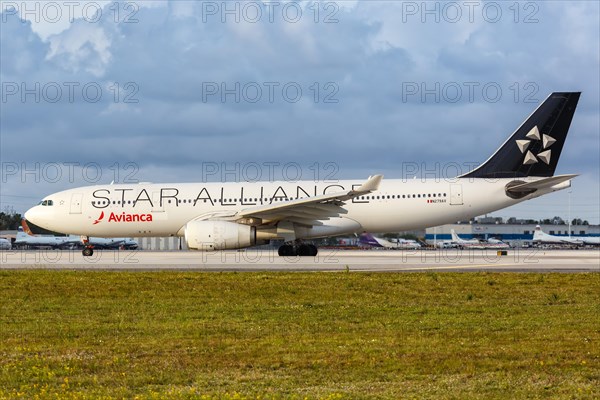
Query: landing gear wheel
[[307, 250], [286, 251], [302, 250], [87, 252]]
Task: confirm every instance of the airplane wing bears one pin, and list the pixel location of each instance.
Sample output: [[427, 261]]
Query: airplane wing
[[311, 210], [540, 184]]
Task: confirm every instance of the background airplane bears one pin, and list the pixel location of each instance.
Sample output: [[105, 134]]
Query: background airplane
[[476, 243], [5, 244], [370, 240], [540, 236], [110, 243], [593, 241], [26, 238], [446, 244]]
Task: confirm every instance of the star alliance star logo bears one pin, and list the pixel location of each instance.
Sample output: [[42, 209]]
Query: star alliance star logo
[[530, 158]]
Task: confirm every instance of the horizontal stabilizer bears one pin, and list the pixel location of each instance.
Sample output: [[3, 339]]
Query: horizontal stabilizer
[[545, 183]]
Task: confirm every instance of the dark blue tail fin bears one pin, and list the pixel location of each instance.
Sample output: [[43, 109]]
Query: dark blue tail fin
[[535, 147]]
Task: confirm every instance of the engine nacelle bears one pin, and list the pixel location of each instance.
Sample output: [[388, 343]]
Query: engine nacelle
[[219, 235]]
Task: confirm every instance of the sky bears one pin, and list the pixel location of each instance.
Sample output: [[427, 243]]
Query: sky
[[183, 91]]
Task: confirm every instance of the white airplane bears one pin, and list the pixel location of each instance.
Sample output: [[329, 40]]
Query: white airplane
[[5, 244], [218, 216], [458, 240], [111, 243], [26, 238], [540, 236], [406, 243], [445, 244], [477, 244], [593, 241], [370, 240], [55, 242]]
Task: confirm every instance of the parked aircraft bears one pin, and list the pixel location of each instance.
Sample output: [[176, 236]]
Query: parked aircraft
[[218, 216], [43, 241], [5, 244], [477, 244], [592, 241], [370, 240], [26, 238], [112, 243], [446, 244], [540, 236]]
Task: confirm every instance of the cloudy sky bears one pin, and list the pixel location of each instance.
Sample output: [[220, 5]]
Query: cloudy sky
[[190, 91]]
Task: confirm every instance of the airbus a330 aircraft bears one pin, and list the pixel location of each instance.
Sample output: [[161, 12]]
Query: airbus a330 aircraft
[[217, 216]]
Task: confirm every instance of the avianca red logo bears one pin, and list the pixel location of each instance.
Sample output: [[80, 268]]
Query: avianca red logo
[[100, 218], [124, 217]]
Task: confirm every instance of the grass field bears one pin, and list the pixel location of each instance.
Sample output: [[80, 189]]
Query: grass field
[[298, 335]]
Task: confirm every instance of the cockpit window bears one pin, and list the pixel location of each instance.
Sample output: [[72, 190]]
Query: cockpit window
[[47, 203]]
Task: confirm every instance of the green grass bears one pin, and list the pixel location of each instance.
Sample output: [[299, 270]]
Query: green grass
[[296, 335]]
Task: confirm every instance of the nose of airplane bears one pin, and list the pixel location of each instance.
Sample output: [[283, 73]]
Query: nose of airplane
[[35, 215]]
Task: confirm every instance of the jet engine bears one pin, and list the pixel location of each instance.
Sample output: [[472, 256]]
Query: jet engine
[[219, 235]]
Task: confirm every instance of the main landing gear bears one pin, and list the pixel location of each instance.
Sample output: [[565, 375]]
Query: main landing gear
[[302, 250], [88, 249]]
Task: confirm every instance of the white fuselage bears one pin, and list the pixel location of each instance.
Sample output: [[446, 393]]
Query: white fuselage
[[165, 209]]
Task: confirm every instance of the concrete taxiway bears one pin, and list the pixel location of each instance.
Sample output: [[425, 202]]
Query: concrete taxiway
[[519, 260]]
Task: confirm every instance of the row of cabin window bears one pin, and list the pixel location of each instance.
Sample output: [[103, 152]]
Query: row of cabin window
[[393, 196], [404, 196]]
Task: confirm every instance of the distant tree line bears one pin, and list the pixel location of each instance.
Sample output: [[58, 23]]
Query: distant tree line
[[9, 221], [547, 221]]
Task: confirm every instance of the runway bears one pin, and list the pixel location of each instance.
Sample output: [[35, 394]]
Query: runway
[[517, 260]]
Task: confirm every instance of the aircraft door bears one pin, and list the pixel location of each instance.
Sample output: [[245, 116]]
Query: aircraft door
[[76, 202], [156, 206], [456, 197]]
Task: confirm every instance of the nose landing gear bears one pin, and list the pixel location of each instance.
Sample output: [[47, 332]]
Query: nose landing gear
[[88, 249]]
